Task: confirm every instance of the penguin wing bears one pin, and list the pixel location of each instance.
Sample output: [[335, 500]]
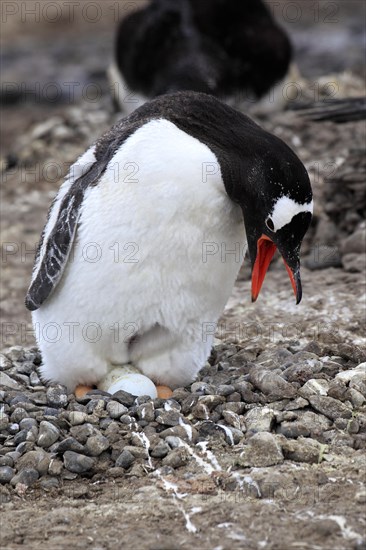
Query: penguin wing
[[337, 110], [59, 233]]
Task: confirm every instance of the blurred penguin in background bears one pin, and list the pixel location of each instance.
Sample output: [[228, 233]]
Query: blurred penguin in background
[[232, 49]]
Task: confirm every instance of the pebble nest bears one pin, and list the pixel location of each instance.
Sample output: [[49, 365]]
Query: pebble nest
[[300, 404]]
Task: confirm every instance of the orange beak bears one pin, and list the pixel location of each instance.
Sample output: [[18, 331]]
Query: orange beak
[[265, 251]]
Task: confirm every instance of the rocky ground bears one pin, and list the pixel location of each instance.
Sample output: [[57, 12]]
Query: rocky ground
[[266, 448]]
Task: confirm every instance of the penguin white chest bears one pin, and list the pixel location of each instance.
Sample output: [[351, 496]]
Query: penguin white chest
[[159, 244]]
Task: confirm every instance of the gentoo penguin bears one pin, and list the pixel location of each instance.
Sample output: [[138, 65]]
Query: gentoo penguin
[[158, 50], [136, 262], [229, 48]]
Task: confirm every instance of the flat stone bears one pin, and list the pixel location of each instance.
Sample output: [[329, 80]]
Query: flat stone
[[314, 386], [259, 419], [8, 382], [332, 408], [116, 409], [67, 444], [261, 450], [77, 463], [168, 418], [272, 385], [125, 460], [302, 450]]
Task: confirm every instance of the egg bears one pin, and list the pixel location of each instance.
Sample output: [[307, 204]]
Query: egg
[[128, 379]]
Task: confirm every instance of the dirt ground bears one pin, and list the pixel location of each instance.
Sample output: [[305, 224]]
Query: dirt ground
[[293, 505]]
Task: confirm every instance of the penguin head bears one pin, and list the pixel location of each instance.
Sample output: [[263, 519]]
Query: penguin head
[[277, 209]]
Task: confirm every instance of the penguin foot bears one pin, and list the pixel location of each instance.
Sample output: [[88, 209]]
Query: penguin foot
[[82, 390], [164, 392]]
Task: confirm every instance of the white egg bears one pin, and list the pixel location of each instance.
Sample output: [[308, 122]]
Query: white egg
[[129, 379]]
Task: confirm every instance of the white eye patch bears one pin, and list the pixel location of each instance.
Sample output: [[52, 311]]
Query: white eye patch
[[285, 209]]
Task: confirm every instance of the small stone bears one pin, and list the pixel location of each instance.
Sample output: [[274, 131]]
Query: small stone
[[36, 460], [16, 353], [96, 444], [176, 458], [6, 474], [68, 444], [314, 386], [146, 412], [124, 397], [77, 463], [57, 396], [356, 398], [34, 379], [116, 409], [168, 418], [18, 414], [28, 424], [293, 429], [8, 382], [173, 441], [201, 412], [246, 391], [125, 459], [330, 407], [360, 497], [261, 450], [183, 431], [4, 421], [160, 450], [77, 417], [211, 401], [6, 460], [272, 384], [259, 419], [55, 467], [48, 434], [302, 450], [225, 390], [49, 483], [81, 433], [26, 477]]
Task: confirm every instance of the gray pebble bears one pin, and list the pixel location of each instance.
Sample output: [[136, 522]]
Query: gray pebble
[[173, 441], [25, 477], [18, 414], [259, 419], [34, 379], [6, 460], [35, 460], [68, 444], [261, 450], [146, 412], [6, 474], [48, 434], [116, 409], [168, 418], [28, 423], [176, 458], [330, 407], [77, 417], [274, 386], [160, 450], [124, 397], [77, 463], [96, 444], [225, 389], [57, 396], [125, 459], [8, 382], [302, 449]]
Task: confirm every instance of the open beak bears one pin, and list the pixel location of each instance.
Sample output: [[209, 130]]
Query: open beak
[[265, 251]]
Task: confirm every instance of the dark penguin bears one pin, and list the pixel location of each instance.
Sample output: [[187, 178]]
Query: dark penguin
[[161, 197], [222, 47]]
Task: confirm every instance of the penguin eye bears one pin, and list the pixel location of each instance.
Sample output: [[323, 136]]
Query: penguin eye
[[270, 224]]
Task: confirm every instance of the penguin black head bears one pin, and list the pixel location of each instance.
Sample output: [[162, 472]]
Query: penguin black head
[[275, 195]]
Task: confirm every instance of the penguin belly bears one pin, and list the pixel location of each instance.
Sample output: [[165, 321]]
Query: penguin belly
[[157, 251]]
